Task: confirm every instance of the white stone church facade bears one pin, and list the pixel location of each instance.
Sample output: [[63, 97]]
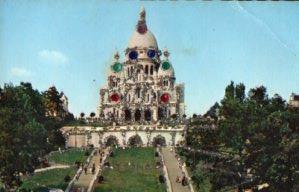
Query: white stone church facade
[[141, 102]]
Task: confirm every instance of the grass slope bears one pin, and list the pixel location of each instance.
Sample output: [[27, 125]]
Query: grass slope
[[141, 175], [68, 157], [43, 181]]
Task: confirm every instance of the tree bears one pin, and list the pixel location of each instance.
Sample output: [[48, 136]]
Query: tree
[[240, 92], [22, 134], [230, 91], [213, 112], [257, 134], [53, 103], [82, 115], [92, 115]]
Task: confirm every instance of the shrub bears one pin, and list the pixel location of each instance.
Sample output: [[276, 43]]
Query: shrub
[[86, 153], [100, 179], [161, 178], [67, 178]]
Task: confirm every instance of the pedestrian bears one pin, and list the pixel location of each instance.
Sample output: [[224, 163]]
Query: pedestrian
[[85, 170], [177, 179]]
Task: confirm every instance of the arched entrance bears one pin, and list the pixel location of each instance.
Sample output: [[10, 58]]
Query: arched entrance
[[159, 140], [147, 115], [128, 115], [137, 115], [135, 141], [111, 141]]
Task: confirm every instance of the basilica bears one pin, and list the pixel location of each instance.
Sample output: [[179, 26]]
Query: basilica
[[141, 103]]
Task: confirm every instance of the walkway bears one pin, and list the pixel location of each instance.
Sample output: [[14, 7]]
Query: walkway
[[85, 181], [57, 166], [173, 170]]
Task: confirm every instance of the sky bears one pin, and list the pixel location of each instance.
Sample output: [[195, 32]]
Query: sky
[[70, 44]]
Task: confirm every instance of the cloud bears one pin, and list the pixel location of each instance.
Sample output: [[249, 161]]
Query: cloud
[[53, 56], [20, 72]]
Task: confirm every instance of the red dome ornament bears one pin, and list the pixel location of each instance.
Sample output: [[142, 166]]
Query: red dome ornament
[[114, 97], [165, 97]]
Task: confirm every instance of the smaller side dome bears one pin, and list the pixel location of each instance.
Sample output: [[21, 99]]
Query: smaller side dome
[[166, 69], [116, 67]]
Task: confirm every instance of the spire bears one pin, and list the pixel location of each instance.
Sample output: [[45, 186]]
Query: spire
[[116, 56], [142, 14], [166, 53], [141, 25]]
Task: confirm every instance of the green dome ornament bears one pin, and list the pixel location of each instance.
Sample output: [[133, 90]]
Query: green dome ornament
[[166, 65], [117, 67]]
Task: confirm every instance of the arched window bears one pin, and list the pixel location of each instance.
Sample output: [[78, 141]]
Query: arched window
[[138, 92], [161, 113], [147, 115], [127, 115], [146, 69], [152, 70], [137, 115]]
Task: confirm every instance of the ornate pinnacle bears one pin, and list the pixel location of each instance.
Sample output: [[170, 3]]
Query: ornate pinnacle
[[116, 56], [166, 53]]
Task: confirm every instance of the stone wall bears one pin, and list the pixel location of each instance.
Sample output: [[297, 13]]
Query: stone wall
[[97, 137]]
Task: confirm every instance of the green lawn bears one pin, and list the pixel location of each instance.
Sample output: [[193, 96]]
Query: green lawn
[[43, 181], [68, 157], [141, 175], [54, 178]]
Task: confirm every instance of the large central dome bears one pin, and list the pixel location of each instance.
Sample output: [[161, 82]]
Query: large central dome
[[142, 37]]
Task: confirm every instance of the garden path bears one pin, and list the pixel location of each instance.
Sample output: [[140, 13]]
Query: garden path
[[86, 181], [173, 170]]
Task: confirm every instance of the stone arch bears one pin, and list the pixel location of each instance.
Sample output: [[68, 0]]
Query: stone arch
[[128, 115], [111, 140], [148, 115], [159, 140], [137, 115], [135, 141]]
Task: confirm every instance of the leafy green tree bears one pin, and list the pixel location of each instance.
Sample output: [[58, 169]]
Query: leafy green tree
[[240, 92], [53, 103], [260, 136], [82, 115], [213, 112], [201, 178], [22, 134]]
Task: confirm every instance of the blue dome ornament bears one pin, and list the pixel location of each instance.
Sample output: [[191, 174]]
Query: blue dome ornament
[[151, 53], [133, 55]]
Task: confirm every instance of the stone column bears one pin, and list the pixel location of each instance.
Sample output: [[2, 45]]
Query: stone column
[[155, 113]]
